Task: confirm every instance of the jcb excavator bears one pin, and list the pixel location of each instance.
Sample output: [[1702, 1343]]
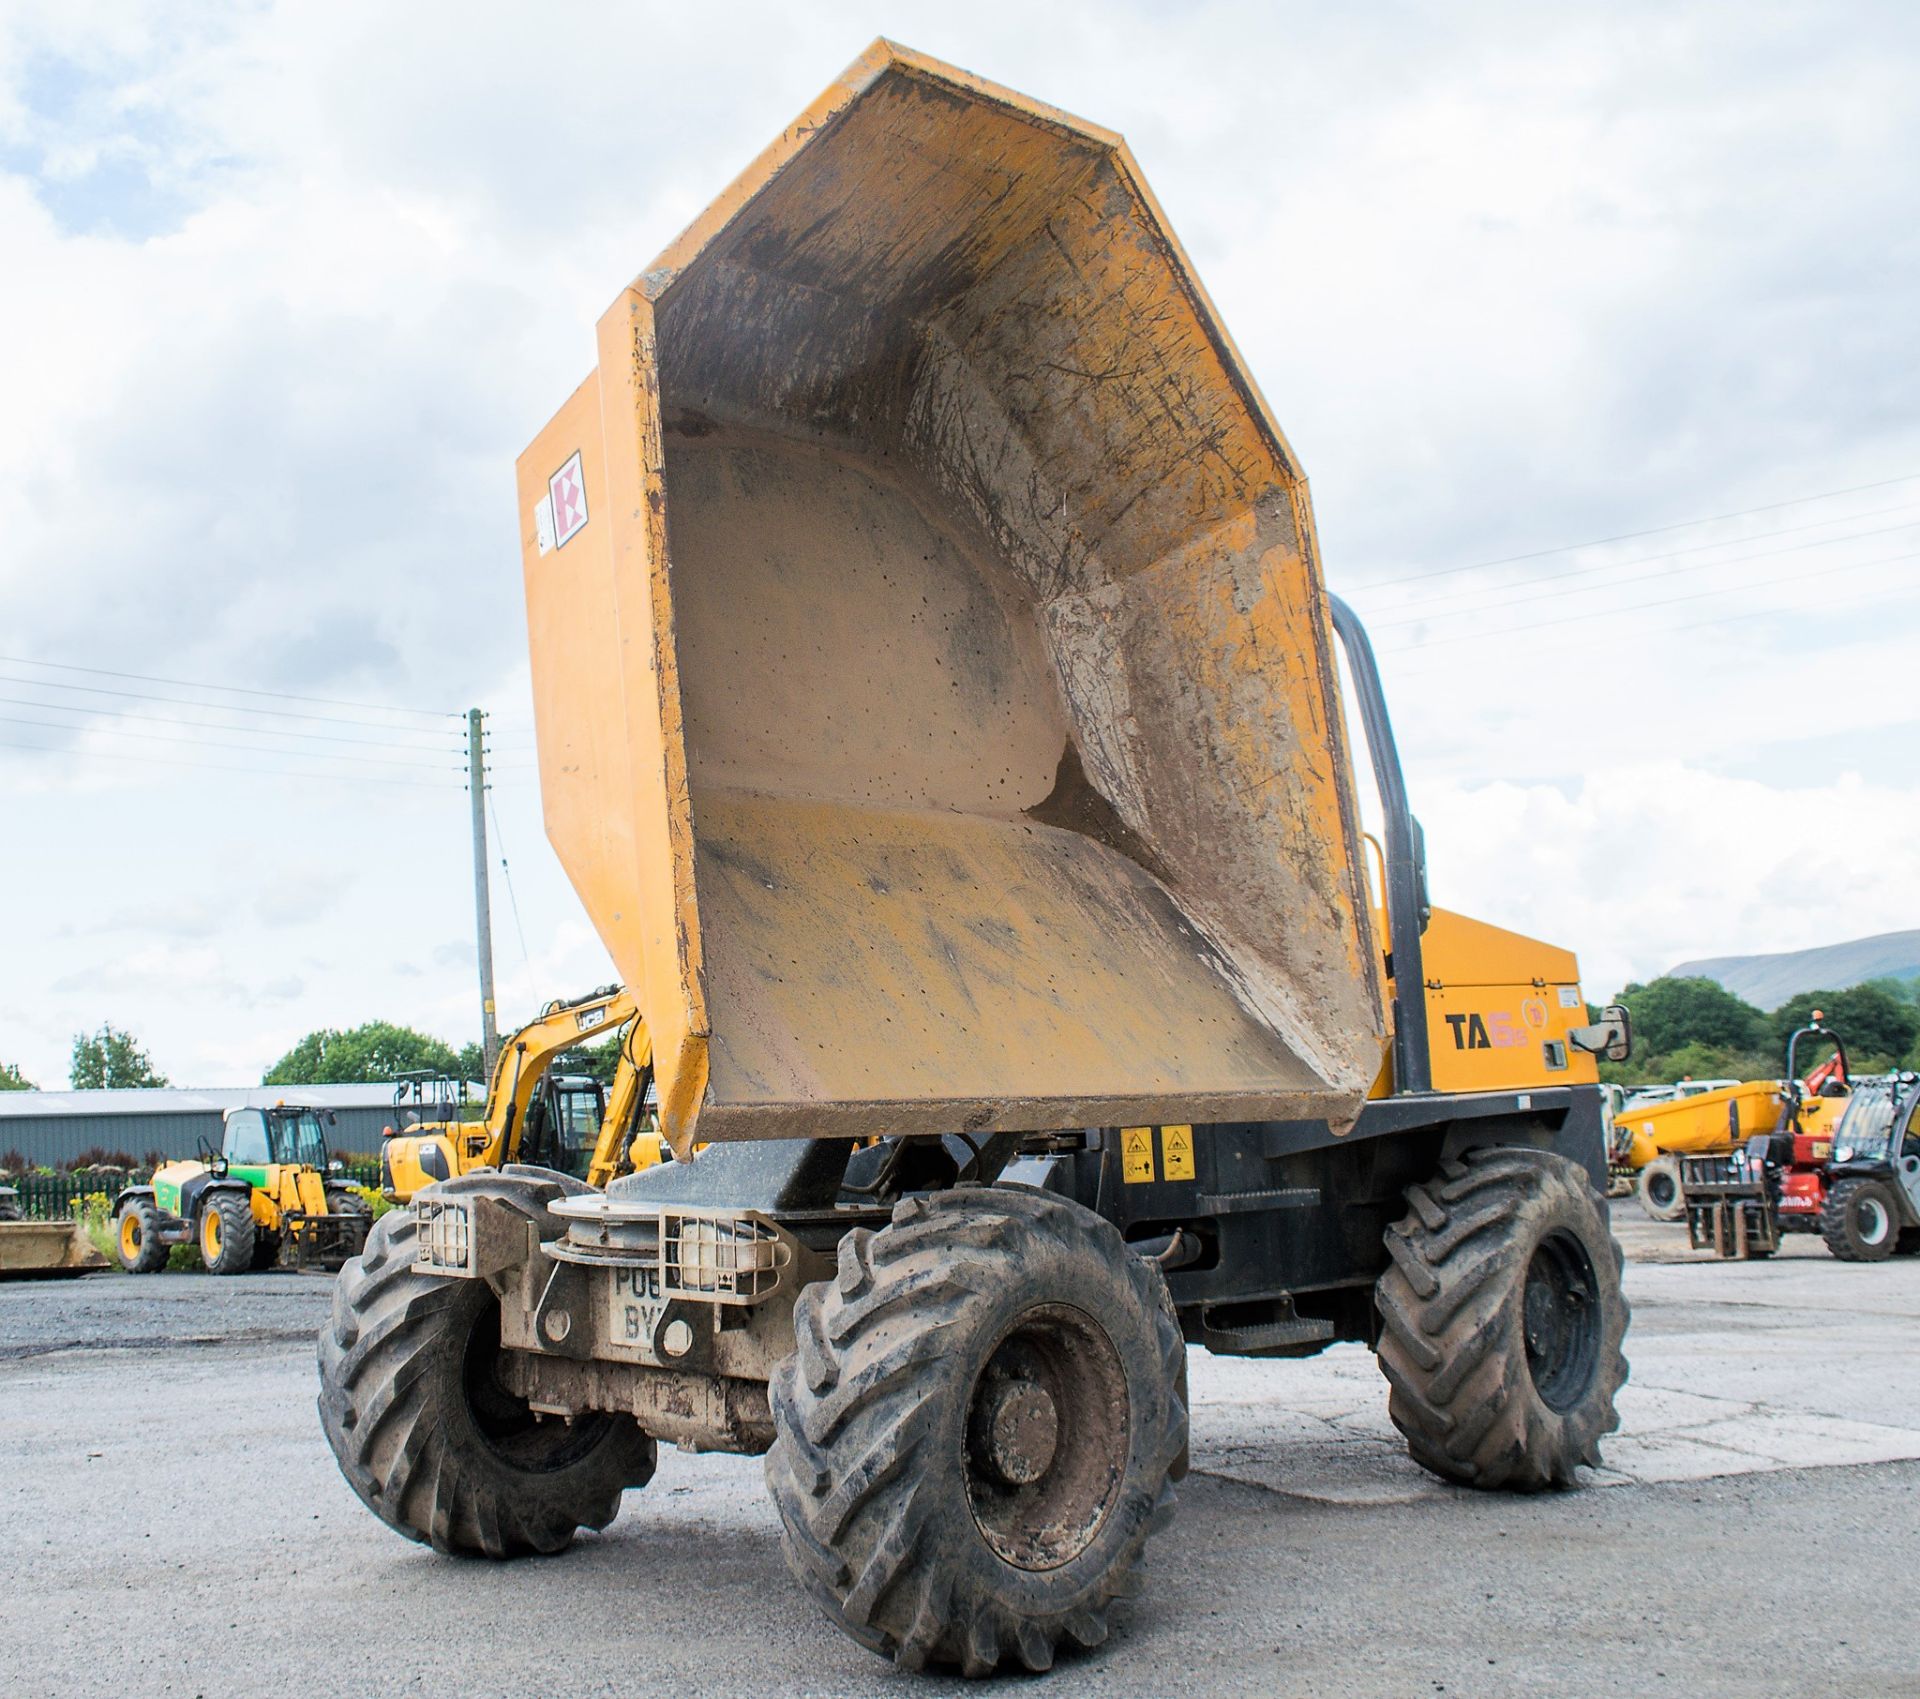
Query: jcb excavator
[[561, 1121]]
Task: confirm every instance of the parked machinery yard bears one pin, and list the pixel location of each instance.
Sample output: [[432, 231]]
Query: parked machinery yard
[[1857, 1184], [1651, 1138], [1031, 853]]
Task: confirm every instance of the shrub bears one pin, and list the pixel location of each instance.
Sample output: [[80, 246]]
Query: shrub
[[14, 1162], [96, 1157], [376, 1200]]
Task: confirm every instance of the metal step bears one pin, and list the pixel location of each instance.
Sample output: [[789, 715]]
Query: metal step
[[1286, 1334], [1246, 1203]]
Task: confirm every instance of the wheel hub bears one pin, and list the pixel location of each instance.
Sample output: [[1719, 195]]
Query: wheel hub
[[1561, 1321], [1046, 1438], [1873, 1221], [1017, 1430]]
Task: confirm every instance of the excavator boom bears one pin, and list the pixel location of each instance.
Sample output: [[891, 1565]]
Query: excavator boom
[[415, 1157]]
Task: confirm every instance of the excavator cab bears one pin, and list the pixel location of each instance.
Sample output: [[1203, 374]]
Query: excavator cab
[[563, 1123]]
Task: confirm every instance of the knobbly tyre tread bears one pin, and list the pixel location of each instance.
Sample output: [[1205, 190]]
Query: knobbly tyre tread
[[1837, 1229], [153, 1254], [886, 1353], [236, 1233], [1451, 1342], [393, 1406]]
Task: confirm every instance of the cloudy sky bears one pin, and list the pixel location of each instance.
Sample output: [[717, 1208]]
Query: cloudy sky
[[286, 288]]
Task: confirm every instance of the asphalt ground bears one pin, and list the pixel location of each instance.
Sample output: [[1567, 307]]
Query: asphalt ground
[[174, 1525]]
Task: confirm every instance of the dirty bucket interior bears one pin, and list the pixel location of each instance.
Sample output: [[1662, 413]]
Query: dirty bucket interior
[[1012, 757]]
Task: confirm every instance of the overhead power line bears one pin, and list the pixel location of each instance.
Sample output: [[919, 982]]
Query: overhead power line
[[1877, 593], [1646, 577], [97, 730], [206, 725], [1631, 536], [1479, 592], [1638, 607], [146, 760], [233, 689], [227, 708]]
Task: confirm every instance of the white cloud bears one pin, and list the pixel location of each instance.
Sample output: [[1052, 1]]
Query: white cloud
[[1644, 866], [291, 286]]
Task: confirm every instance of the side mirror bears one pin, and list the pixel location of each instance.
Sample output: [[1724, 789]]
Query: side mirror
[[333, 1120], [1610, 1038]]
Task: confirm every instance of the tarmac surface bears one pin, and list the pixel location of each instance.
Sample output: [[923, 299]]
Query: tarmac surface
[[174, 1525]]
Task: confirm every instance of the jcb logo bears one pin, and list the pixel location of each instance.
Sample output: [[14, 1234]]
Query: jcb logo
[[1497, 1031]]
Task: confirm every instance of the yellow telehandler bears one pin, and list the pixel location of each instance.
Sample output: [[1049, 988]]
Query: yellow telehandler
[[533, 1115], [939, 719], [270, 1194]]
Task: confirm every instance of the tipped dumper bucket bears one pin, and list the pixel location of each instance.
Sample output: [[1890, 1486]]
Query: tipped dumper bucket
[[935, 703]]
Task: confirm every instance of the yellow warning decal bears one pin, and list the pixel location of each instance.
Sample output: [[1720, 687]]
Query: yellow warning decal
[[1176, 1152], [1136, 1155]]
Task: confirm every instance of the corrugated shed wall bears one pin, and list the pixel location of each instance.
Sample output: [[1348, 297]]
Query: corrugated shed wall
[[53, 1141]]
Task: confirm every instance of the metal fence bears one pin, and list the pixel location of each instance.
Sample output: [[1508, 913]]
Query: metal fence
[[57, 1197]]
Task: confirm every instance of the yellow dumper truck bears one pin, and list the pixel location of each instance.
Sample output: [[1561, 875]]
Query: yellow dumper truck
[[938, 718]]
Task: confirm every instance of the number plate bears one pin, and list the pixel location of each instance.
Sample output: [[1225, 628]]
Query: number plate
[[634, 1308]]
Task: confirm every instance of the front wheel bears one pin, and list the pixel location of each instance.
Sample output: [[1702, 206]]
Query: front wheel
[[412, 1403], [1658, 1189], [136, 1237], [978, 1430], [1860, 1220], [1501, 1321], [226, 1233]]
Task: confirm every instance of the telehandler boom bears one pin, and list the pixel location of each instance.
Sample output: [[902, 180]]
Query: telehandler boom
[[938, 718]]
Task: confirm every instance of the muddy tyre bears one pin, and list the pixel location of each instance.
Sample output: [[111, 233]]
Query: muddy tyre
[[978, 1430], [227, 1233], [1658, 1190], [1860, 1220], [136, 1237], [1501, 1321], [423, 1429]]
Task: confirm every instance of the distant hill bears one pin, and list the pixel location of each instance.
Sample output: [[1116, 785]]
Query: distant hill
[[1768, 981]]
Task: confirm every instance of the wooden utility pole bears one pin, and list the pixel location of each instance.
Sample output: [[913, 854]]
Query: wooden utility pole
[[482, 907]]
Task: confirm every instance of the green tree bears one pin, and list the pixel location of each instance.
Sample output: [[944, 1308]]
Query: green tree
[[1877, 1026], [1669, 1013], [111, 1060], [11, 1079], [376, 1051], [471, 1064]]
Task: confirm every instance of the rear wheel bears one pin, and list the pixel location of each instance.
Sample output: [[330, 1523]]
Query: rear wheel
[[226, 1233], [978, 1430], [136, 1237], [1659, 1189], [423, 1429], [1860, 1220], [1501, 1321]]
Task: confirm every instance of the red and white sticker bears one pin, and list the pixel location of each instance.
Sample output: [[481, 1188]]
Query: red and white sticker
[[567, 503]]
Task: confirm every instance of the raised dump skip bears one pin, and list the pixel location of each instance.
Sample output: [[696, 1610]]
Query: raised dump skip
[[936, 711]]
